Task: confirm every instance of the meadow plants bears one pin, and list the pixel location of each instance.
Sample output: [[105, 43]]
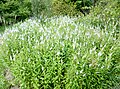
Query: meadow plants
[[62, 53]]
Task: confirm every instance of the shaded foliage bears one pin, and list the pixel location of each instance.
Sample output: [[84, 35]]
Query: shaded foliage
[[14, 10]]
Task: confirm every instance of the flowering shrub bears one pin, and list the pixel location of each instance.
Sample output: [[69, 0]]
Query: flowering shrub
[[106, 12], [61, 53]]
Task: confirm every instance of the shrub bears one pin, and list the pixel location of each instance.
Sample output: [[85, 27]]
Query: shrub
[[14, 10], [83, 6], [63, 52], [41, 7], [105, 13], [60, 7]]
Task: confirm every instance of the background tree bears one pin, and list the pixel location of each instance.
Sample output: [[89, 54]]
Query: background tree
[[12, 11]]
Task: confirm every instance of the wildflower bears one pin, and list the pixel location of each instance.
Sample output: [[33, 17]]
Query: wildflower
[[23, 68], [100, 54], [58, 53], [75, 57], [97, 33], [11, 58], [90, 65], [91, 51], [81, 71], [77, 73], [88, 34], [42, 68], [22, 37], [42, 42], [84, 75], [28, 59], [78, 62], [93, 43], [102, 67], [74, 45], [62, 43]]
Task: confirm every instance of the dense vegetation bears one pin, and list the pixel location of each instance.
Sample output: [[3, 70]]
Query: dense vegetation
[[16, 10], [58, 47], [12, 11]]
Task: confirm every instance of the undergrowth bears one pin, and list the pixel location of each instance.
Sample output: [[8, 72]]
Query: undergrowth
[[62, 53]]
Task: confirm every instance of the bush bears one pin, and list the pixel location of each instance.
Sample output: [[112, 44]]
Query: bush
[[60, 7], [41, 8], [14, 10], [62, 53], [105, 13], [83, 6]]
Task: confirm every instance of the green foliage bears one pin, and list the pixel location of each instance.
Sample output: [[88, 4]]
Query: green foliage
[[72, 7], [41, 7], [106, 12], [62, 53], [83, 6], [2, 28], [14, 10], [3, 82], [60, 7]]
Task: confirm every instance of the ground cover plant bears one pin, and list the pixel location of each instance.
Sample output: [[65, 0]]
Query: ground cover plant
[[61, 53]]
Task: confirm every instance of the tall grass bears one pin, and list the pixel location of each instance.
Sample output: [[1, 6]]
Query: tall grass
[[62, 53]]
